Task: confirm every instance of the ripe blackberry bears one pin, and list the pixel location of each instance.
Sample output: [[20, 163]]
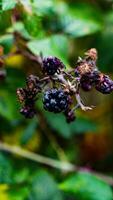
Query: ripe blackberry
[[28, 111], [55, 100], [87, 80], [51, 65], [104, 84]]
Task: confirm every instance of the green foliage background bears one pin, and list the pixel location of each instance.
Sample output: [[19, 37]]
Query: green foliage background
[[65, 29]]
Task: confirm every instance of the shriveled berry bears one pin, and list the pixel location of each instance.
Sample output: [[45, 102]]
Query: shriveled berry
[[104, 84], [55, 100], [21, 94], [51, 65], [32, 82]]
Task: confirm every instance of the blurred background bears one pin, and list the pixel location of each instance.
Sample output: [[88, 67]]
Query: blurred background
[[65, 29]]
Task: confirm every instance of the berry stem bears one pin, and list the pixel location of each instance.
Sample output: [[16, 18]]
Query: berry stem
[[61, 78], [85, 108]]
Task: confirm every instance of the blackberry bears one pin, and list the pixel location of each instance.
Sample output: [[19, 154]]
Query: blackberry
[[51, 65], [28, 111], [70, 116], [104, 84], [87, 80], [55, 100]]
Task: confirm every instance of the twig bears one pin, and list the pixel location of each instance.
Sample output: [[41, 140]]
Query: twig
[[37, 158], [65, 166], [85, 108]]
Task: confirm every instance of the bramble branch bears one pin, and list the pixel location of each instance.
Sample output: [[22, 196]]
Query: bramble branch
[[64, 166]]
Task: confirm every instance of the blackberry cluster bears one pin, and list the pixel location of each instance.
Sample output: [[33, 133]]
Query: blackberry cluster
[[27, 96], [101, 82], [55, 100], [104, 84], [90, 76], [86, 76], [51, 65]]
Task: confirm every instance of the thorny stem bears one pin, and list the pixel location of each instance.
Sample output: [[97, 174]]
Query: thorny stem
[[65, 166]]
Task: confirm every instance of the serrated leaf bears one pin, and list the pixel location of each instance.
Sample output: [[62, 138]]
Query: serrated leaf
[[44, 187], [85, 186], [7, 5], [56, 45]]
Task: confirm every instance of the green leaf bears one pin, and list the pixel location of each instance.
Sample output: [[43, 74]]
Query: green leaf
[[59, 124], [104, 46], [20, 175], [25, 3], [29, 131], [5, 21], [44, 187], [19, 27], [85, 186], [9, 106], [56, 45], [43, 7], [32, 24], [5, 169], [7, 5], [6, 41], [79, 19]]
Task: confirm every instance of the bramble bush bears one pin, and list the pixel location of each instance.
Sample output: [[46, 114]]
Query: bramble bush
[[56, 104]]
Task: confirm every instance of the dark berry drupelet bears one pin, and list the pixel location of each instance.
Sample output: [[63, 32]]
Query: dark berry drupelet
[[55, 100], [70, 115], [51, 65], [104, 84], [28, 111], [88, 80]]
